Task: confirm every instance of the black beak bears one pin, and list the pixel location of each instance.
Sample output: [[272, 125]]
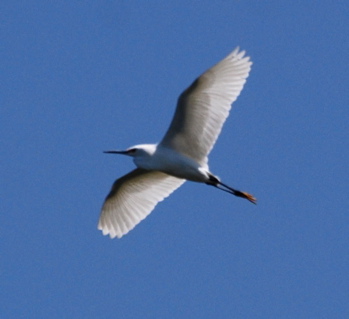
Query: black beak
[[116, 152]]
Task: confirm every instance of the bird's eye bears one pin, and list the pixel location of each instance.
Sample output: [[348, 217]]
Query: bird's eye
[[132, 151]]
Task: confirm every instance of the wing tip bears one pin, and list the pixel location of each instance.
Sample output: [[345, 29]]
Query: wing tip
[[112, 234], [239, 55], [108, 231]]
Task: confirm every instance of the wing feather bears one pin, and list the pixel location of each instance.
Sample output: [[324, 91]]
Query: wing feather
[[203, 107], [132, 198]]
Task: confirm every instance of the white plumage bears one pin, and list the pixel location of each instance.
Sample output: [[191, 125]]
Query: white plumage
[[182, 154], [203, 107]]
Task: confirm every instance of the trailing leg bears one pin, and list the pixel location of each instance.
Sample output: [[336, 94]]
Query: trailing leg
[[214, 181]]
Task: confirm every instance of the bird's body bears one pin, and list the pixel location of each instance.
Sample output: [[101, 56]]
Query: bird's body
[[182, 153], [156, 157]]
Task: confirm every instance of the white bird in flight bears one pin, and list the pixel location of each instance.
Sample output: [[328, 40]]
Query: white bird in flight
[[182, 154]]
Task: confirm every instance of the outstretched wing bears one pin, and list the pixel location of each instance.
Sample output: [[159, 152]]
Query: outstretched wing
[[132, 198], [203, 107]]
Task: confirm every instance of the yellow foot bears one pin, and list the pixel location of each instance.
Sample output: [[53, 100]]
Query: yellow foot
[[249, 197]]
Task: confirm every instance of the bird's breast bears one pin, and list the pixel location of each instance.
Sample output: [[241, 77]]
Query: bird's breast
[[175, 164]]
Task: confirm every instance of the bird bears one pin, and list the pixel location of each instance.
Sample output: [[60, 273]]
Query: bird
[[183, 152]]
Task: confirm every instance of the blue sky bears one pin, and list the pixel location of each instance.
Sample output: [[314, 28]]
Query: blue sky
[[80, 77]]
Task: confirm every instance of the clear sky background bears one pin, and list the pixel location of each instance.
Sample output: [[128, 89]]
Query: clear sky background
[[80, 77]]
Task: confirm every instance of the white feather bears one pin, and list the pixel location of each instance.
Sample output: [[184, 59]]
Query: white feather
[[203, 107], [132, 198]]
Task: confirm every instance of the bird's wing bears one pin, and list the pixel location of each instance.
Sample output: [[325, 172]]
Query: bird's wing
[[132, 198], [203, 107]]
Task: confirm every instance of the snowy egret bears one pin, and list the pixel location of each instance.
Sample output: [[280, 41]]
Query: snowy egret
[[182, 154]]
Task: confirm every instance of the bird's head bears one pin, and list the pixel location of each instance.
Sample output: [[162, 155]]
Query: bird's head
[[143, 150]]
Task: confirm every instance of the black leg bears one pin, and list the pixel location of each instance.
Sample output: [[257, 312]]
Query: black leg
[[214, 181]]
